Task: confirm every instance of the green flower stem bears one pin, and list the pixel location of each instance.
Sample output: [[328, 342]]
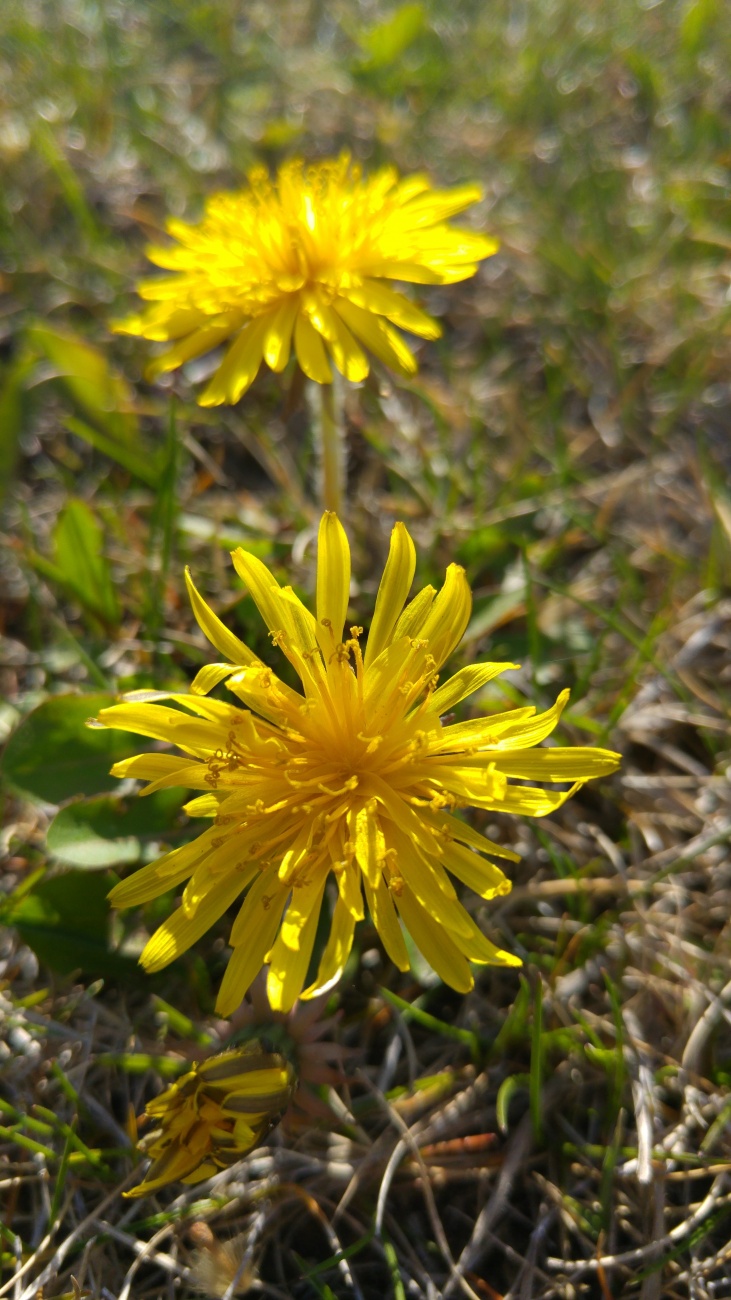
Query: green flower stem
[[332, 450]]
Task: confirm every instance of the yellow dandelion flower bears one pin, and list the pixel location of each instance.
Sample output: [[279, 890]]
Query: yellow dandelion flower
[[302, 261], [356, 779], [214, 1115]]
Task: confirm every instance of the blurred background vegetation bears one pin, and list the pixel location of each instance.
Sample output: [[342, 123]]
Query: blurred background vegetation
[[567, 440]]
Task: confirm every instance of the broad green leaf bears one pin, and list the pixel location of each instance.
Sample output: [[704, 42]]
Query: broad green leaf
[[53, 755], [106, 831], [102, 394], [65, 920]]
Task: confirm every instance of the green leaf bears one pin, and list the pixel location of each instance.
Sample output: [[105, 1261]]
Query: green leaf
[[101, 394], [53, 755], [163, 525], [386, 42], [412, 1011], [537, 1062], [65, 920], [132, 456], [78, 544], [49, 149], [697, 24], [506, 1091], [106, 831], [11, 417]]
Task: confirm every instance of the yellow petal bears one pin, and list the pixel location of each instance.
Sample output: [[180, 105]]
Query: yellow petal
[[384, 675], [529, 800], [384, 341], [264, 590], [412, 271], [369, 845], [303, 621], [159, 723], [445, 624], [432, 206], [280, 608], [153, 880], [404, 817], [375, 297], [383, 914], [347, 354], [162, 324], [278, 337], [217, 633], [239, 367], [333, 578], [337, 951], [179, 932], [148, 767], [243, 1069], [435, 943], [481, 733], [464, 683], [194, 776], [476, 947], [261, 690], [393, 590], [311, 352], [422, 872], [578, 763], [170, 1169], [522, 734], [252, 936], [292, 949], [415, 615], [229, 858], [482, 876], [201, 340], [462, 832], [210, 676], [349, 887], [199, 1175], [206, 805]]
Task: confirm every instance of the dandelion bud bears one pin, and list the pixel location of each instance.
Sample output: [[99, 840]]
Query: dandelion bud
[[212, 1117]]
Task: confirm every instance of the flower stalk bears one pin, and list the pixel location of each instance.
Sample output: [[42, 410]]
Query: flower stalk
[[331, 447]]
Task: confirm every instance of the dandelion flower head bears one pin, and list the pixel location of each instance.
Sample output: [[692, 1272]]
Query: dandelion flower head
[[343, 792], [302, 262], [212, 1117]]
